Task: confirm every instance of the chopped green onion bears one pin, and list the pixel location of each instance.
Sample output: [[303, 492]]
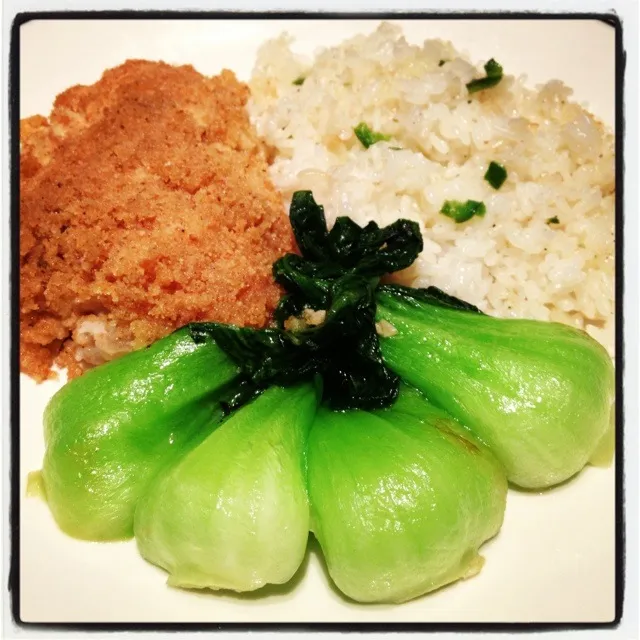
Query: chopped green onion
[[463, 211], [496, 175], [367, 136], [299, 81], [493, 77], [554, 220]]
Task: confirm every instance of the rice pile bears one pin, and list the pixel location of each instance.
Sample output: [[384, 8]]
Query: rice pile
[[514, 261]]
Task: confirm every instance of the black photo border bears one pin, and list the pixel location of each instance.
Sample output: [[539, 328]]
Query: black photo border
[[14, 115]]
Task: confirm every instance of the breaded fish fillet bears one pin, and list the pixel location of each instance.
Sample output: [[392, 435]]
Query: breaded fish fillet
[[145, 204]]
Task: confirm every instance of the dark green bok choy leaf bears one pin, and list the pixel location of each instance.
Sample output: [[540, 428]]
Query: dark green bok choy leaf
[[335, 276]]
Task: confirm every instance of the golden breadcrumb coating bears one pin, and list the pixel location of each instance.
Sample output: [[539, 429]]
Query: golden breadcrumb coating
[[145, 204]]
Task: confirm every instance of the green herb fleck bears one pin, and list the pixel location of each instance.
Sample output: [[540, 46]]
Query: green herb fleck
[[463, 211], [395, 148], [554, 220], [299, 81], [367, 136], [496, 175], [442, 62], [493, 77]]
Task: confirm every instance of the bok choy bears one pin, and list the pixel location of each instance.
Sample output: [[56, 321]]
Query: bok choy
[[108, 432], [232, 513], [387, 420], [400, 500], [538, 394]]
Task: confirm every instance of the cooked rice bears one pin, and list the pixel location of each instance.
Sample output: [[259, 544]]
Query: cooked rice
[[560, 161]]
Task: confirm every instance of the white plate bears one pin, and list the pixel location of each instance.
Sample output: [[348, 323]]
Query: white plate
[[554, 558]]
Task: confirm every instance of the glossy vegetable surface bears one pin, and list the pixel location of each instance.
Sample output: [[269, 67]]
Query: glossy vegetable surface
[[219, 447], [400, 502], [233, 513], [108, 432], [538, 394]]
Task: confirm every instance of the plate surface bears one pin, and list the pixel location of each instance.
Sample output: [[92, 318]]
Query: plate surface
[[554, 559]]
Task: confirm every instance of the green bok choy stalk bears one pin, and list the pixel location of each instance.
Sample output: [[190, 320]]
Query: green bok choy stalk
[[404, 483], [400, 500], [233, 512], [538, 394], [108, 432]]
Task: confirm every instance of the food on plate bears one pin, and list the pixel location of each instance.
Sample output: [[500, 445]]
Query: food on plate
[[110, 431], [538, 394], [442, 140], [206, 458], [375, 374], [233, 512], [400, 501], [145, 204]]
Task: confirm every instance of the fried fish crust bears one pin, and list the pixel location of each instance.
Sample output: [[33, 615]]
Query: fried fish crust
[[145, 204]]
